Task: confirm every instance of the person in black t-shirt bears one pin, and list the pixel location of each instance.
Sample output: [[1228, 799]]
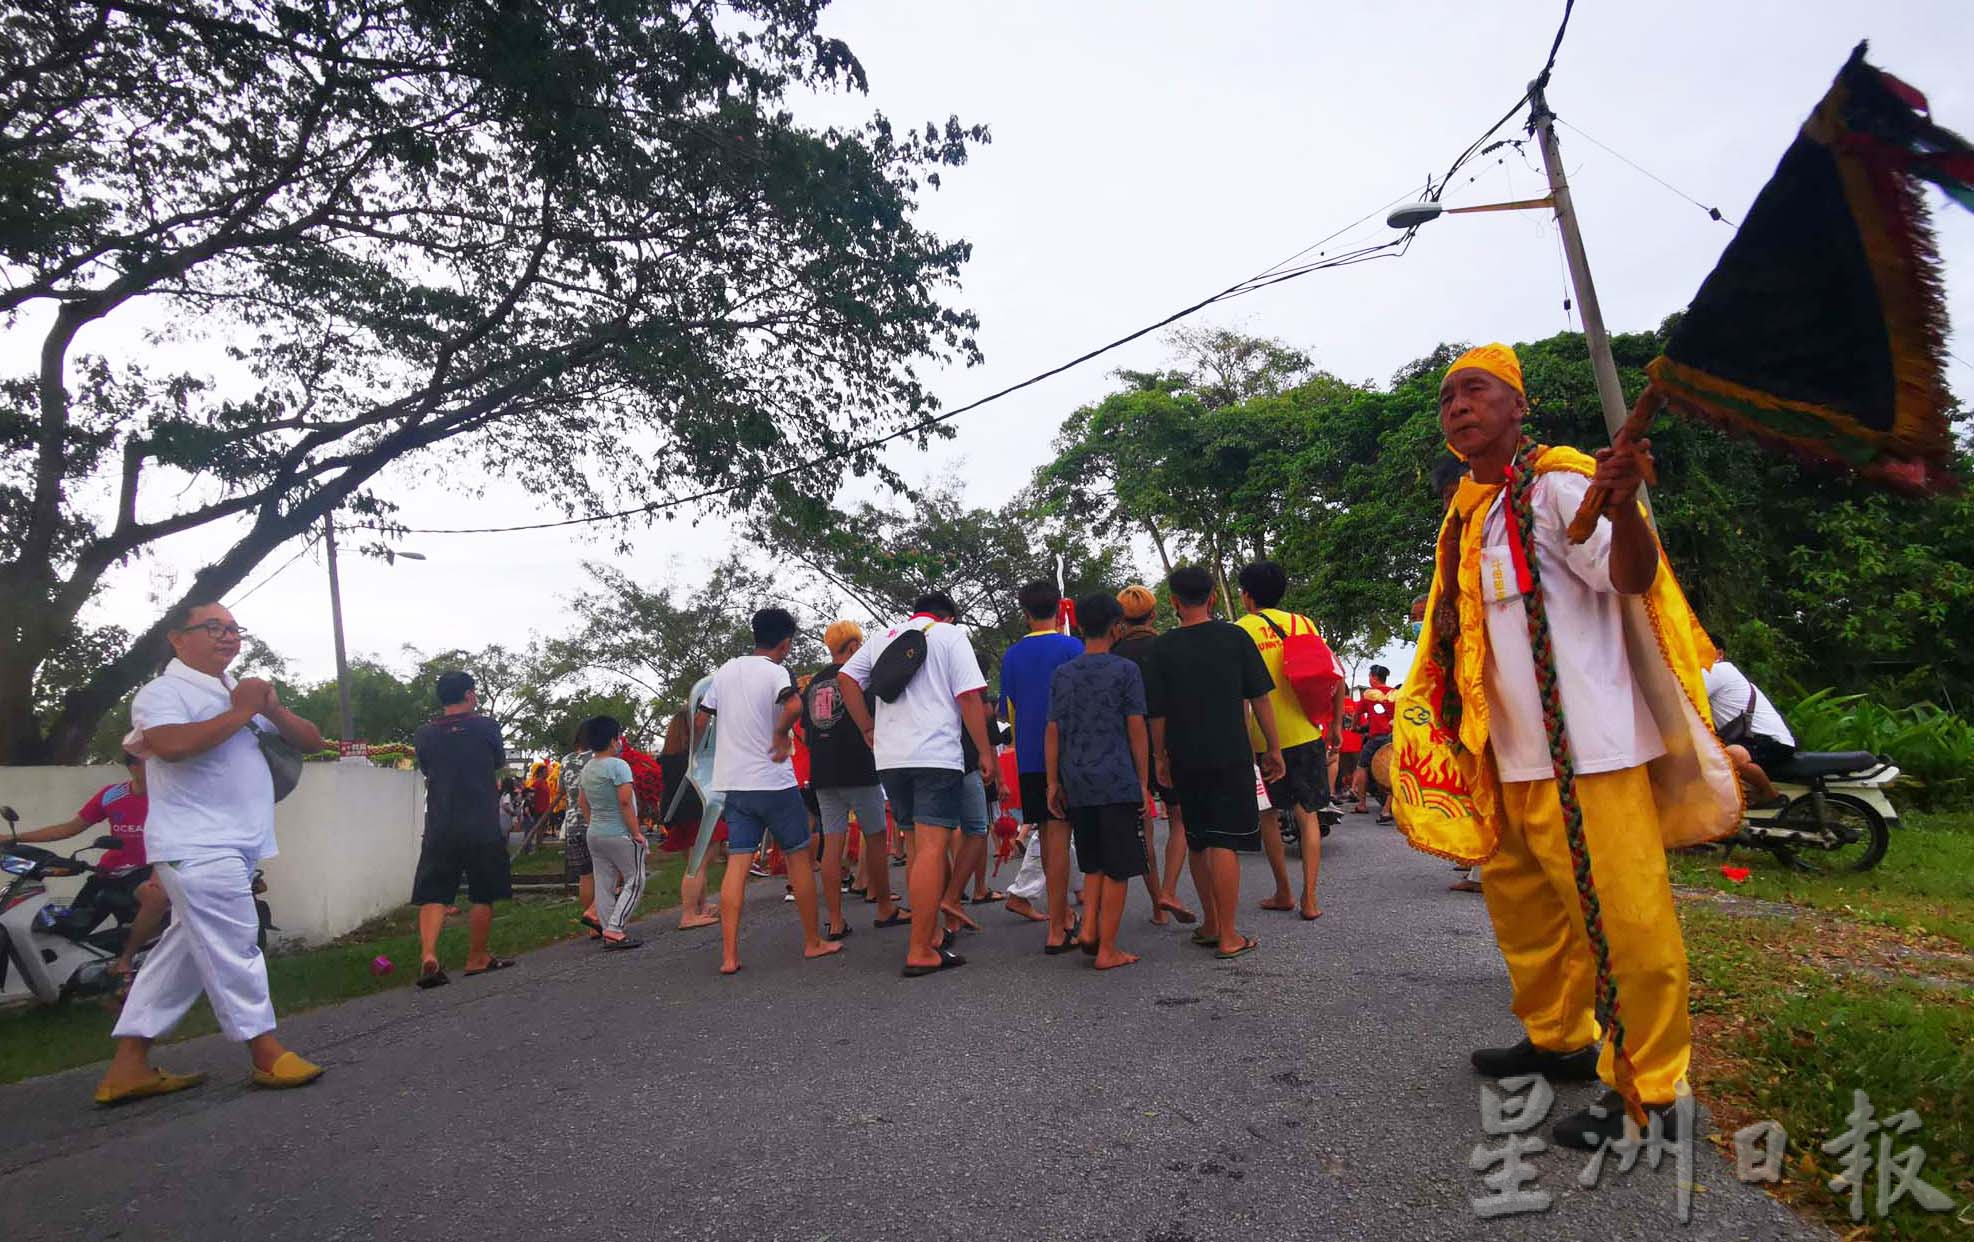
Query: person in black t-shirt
[[1201, 680], [460, 753], [843, 774]]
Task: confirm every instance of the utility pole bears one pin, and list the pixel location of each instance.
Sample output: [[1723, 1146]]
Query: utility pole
[[336, 618], [1609, 391]]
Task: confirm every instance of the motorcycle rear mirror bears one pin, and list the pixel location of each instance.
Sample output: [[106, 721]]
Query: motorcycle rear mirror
[[105, 843], [9, 814]]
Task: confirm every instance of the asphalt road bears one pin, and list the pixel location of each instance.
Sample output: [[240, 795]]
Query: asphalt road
[[1316, 1088]]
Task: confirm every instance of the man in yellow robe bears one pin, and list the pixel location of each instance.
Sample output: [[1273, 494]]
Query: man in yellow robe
[[1526, 631]]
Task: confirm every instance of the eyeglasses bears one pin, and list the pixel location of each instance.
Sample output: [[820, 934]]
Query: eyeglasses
[[217, 630]]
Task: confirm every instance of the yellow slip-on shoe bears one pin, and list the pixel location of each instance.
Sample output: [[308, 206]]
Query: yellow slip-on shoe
[[159, 1083], [289, 1071]]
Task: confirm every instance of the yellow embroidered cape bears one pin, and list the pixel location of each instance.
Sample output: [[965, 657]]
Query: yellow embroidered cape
[[1445, 793]]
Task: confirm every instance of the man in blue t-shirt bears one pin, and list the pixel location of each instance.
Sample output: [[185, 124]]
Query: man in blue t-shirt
[[1026, 669]]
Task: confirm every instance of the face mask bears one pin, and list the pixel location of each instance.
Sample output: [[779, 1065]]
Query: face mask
[[1413, 629]]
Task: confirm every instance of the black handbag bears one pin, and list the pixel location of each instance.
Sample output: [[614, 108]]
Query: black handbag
[[284, 762]]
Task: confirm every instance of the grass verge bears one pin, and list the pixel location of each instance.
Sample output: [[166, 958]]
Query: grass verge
[[45, 1039], [1807, 988], [1925, 885]]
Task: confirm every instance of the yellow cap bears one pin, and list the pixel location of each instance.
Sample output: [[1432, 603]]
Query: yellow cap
[[1497, 360]]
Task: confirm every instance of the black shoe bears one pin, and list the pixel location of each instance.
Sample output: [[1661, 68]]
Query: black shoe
[[1526, 1058], [1603, 1122]]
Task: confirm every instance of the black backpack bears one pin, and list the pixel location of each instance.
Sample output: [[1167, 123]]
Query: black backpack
[[897, 664]]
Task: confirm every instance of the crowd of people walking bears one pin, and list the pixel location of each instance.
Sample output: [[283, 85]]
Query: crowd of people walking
[[1555, 734]]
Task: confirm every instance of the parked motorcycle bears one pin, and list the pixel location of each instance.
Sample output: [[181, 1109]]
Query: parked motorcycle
[[51, 951], [1837, 817]]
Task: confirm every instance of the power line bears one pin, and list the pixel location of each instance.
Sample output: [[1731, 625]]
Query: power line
[[1261, 280], [1712, 212], [312, 539], [1250, 285]]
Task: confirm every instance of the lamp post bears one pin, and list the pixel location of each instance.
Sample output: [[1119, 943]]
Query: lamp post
[[1610, 393], [347, 718]]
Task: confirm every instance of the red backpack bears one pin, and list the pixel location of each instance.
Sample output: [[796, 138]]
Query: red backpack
[[1309, 666]]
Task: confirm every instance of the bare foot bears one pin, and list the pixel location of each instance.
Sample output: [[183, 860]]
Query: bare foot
[[1111, 961], [1177, 909], [1464, 886], [957, 918], [823, 948], [689, 921], [1018, 906], [1277, 903], [729, 968], [1159, 917], [1311, 913]]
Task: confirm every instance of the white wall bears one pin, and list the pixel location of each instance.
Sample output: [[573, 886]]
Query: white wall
[[348, 837]]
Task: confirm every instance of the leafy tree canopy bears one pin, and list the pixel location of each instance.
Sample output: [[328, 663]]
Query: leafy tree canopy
[[580, 231]]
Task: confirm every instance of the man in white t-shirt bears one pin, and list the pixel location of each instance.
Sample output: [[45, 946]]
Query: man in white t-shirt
[[754, 698], [1757, 737], [211, 822], [916, 740]]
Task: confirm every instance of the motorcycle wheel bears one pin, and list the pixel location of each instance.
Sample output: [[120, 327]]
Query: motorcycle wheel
[[1856, 831]]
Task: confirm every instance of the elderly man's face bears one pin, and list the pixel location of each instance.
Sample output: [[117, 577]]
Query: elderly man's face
[[1480, 416]]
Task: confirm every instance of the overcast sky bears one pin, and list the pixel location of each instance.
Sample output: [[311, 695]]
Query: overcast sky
[[1148, 154]]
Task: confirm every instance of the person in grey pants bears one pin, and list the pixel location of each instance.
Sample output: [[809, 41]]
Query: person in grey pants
[[616, 840]]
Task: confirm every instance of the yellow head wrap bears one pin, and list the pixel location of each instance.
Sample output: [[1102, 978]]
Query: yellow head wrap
[[1495, 359]]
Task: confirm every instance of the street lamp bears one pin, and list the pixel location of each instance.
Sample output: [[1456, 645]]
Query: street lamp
[[391, 556], [1610, 392]]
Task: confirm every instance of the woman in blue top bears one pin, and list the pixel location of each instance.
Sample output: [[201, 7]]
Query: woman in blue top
[[616, 841]]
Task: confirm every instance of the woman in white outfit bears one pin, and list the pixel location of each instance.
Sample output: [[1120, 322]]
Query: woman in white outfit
[[211, 822]]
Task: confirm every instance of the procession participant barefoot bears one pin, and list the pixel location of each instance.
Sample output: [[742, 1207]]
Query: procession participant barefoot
[[1026, 669], [754, 698], [1204, 677], [1099, 771]]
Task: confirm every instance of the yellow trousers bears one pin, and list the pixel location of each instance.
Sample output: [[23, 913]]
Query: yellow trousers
[[1530, 889]]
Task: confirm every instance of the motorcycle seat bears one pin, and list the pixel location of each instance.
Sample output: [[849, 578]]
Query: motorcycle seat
[[1810, 763]]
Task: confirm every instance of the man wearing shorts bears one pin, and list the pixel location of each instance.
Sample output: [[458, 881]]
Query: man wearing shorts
[[1099, 774], [843, 774], [1304, 788], [1026, 669], [755, 700], [460, 752], [1203, 678], [916, 740]]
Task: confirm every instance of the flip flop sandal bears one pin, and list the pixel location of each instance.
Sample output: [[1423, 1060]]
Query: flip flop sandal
[[493, 964], [994, 897], [435, 978], [1182, 914], [1248, 945], [839, 935], [1067, 946], [1205, 941], [1089, 950], [628, 942], [947, 961], [898, 919]]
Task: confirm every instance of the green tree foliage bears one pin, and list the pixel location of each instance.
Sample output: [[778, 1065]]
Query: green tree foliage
[[884, 557], [495, 233], [653, 642], [1810, 579]]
